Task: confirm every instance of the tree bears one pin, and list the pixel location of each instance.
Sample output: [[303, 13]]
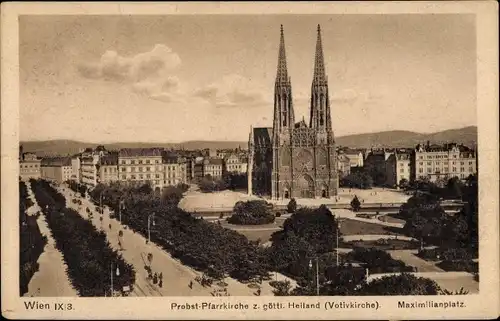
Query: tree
[[86, 252], [403, 183], [292, 206], [455, 187], [251, 213], [355, 204], [172, 195], [281, 288], [343, 280], [402, 284]]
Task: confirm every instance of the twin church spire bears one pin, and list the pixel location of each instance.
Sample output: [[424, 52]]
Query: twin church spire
[[284, 117]]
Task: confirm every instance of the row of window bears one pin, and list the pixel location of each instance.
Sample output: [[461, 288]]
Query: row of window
[[140, 161], [141, 169], [209, 167], [234, 166], [438, 163], [156, 182], [436, 156], [29, 166], [445, 169]]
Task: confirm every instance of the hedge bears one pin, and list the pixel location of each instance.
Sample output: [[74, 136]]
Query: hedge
[[32, 242]]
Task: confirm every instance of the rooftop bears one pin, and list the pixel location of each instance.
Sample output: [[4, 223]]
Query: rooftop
[[110, 159], [214, 161], [140, 152], [56, 161]]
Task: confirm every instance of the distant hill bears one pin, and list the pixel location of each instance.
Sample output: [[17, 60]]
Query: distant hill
[[71, 147], [400, 138], [397, 138]]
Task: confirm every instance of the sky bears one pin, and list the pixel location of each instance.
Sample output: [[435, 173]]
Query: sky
[[175, 78]]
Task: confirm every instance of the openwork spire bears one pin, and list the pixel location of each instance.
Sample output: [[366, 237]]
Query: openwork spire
[[319, 61], [282, 74]]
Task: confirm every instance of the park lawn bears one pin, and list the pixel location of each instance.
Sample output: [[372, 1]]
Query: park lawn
[[353, 227], [389, 245]]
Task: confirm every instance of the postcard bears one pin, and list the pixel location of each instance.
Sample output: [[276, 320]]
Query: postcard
[[237, 160]]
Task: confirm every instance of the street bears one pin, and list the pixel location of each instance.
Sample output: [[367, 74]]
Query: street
[[176, 276]]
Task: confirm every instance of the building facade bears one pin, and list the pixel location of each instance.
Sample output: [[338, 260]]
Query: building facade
[[213, 167], [375, 164], [75, 167], [293, 159], [56, 169], [356, 157], [88, 170], [197, 168], [436, 162], [343, 165], [234, 163], [141, 166], [107, 168], [29, 166], [175, 170], [398, 167]]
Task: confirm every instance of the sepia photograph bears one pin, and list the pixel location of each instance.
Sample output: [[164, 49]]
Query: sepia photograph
[[224, 156]]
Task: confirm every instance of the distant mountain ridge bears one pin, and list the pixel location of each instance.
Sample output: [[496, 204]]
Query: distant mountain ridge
[[396, 138], [401, 138]]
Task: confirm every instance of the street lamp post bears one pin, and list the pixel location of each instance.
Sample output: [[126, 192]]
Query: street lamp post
[[337, 237], [317, 274], [117, 274], [120, 205], [149, 226]]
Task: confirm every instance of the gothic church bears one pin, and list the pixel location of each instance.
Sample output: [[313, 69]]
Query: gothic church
[[293, 159]]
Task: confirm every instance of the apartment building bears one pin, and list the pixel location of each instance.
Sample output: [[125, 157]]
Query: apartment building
[[175, 169], [141, 166], [29, 166], [107, 168], [75, 167], [343, 165], [355, 156], [89, 169], [198, 168], [375, 164], [436, 162], [235, 163], [398, 167], [56, 169], [213, 167]]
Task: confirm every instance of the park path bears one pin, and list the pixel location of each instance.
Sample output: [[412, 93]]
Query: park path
[[51, 280], [409, 258], [374, 237]]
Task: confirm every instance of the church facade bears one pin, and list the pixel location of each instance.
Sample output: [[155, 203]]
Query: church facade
[[295, 159]]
